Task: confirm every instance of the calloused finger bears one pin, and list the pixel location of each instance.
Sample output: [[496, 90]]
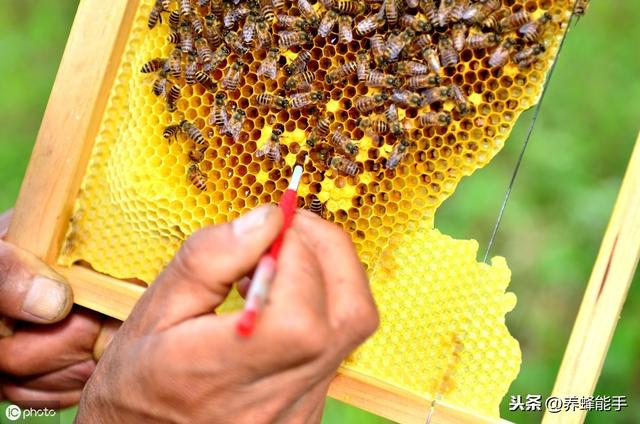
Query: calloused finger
[[36, 349], [72, 377], [23, 396]]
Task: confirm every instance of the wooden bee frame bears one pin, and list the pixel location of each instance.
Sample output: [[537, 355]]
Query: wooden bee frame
[[60, 157]]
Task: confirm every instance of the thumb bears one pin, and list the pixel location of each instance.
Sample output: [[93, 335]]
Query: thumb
[[199, 277], [29, 289]]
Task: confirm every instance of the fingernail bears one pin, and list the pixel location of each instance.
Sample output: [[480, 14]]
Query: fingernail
[[46, 299], [253, 220]]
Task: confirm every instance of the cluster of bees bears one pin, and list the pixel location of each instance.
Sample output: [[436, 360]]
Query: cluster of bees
[[411, 44]]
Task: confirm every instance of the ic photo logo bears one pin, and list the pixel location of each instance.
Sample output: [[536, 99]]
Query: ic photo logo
[[13, 412]]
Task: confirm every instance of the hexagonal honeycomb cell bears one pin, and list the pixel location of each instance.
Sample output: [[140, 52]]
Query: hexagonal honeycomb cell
[[150, 182]]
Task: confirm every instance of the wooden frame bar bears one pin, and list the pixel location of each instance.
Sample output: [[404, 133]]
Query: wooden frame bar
[[603, 300], [60, 156]]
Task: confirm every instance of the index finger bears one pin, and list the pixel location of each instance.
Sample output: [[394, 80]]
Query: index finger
[[349, 301]]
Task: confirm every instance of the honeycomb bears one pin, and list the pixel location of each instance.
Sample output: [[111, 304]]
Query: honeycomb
[[137, 202]]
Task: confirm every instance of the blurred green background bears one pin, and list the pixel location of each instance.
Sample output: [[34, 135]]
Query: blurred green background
[[553, 223]]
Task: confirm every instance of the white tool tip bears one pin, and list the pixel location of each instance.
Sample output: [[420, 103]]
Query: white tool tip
[[295, 178]]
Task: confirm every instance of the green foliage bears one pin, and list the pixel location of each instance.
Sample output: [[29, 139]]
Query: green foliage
[[553, 223]]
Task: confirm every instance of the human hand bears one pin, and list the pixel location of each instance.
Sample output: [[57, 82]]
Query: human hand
[[41, 362], [176, 361]]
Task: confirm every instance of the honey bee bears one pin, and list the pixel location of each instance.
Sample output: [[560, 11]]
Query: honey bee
[[268, 67], [396, 44], [342, 164], [412, 4], [419, 43], [391, 12], [500, 55], [192, 132], [527, 56], [373, 125], [444, 15], [266, 8], [407, 98], [448, 55], [204, 79], [263, 35], [295, 23], [172, 95], [298, 64], [219, 56], [218, 115], [307, 10], [299, 81], [197, 177], [233, 15], [271, 149], [271, 100], [533, 30], [186, 37], [437, 94], [365, 104], [171, 132], [312, 139], [414, 22], [341, 72], [482, 40], [365, 26], [317, 207], [185, 7], [430, 55], [155, 15], [234, 126], [159, 83], [212, 31], [514, 21], [395, 127], [196, 26], [190, 69], [412, 68], [382, 80], [232, 39], [322, 126], [278, 4], [458, 35], [462, 104], [197, 155], [153, 65], [217, 9], [434, 119], [292, 38], [303, 100], [342, 141], [202, 3], [174, 20], [204, 52], [491, 21], [398, 153], [428, 7], [377, 49], [345, 28], [477, 12], [249, 27], [232, 78], [423, 81], [174, 38], [328, 4], [351, 7], [175, 62], [362, 65], [580, 7]]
